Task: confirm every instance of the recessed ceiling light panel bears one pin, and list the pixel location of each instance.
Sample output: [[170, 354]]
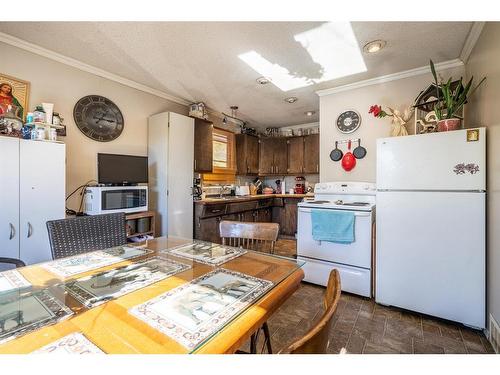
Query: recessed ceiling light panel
[[291, 99], [374, 46], [309, 113]]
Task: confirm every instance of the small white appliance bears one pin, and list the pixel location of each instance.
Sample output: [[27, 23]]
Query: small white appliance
[[354, 260], [110, 199], [431, 224], [242, 190]]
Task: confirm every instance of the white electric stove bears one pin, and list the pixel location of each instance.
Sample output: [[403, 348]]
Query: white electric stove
[[354, 260]]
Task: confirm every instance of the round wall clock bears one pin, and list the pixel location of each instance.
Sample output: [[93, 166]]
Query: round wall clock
[[348, 121], [98, 118]]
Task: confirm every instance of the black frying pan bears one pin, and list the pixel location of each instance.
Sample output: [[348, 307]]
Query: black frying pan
[[336, 153], [359, 152]]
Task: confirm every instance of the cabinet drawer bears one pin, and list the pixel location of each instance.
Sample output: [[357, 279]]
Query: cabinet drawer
[[214, 210], [241, 207], [262, 203]]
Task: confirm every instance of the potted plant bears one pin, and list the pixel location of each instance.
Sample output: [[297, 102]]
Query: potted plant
[[450, 101]]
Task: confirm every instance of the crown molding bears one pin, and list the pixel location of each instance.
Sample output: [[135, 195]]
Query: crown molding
[[470, 42], [391, 77], [33, 48]]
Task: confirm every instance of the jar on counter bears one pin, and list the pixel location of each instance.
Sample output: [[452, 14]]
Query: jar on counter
[[56, 119], [39, 114], [52, 134]]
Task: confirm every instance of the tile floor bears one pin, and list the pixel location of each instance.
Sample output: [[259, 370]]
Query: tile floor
[[362, 326]]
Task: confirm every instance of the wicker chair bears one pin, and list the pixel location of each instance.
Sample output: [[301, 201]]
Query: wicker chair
[[82, 234], [13, 263]]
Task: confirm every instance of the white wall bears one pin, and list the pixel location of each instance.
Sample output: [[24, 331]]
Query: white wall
[[484, 110], [64, 85], [396, 94]]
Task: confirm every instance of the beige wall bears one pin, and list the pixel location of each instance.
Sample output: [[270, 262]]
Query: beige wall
[[63, 85], [484, 110], [396, 94]]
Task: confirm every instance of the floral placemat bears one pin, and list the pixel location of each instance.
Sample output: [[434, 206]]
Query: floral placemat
[[74, 343], [12, 280], [207, 252], [98, 288], [74, 265], [20, 314], [195, 311]]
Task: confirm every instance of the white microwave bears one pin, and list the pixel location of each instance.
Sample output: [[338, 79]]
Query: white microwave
[[110, 199]]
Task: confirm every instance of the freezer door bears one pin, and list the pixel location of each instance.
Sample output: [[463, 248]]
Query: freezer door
[[430, 254], [436, 161]]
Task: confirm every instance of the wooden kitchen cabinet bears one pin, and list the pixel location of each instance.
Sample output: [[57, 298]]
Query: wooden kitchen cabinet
[[264, 215], [295, 155], [288, 223], [208, 229], [266, 156], [280, 148], [311, 153], [247, 154], [203, 146], [273, 156]]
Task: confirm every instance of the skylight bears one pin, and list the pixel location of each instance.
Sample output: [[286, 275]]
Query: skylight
[[332, 45]]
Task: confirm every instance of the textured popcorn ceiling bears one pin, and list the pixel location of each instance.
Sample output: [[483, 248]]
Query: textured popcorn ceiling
[[198, 61]]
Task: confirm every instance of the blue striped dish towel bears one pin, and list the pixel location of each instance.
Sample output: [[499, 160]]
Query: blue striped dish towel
[[333, 226]]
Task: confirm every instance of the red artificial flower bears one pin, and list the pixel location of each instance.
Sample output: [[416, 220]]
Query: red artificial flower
[[375, 109]]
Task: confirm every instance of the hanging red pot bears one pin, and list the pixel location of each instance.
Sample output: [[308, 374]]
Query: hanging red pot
[[348, 161]]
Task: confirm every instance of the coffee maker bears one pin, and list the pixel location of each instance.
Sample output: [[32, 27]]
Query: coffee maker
[[300, 185], [197, 191]]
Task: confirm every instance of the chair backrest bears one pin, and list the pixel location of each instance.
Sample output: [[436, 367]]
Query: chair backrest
[[82, 234], [253, 236], [9, 263], [317, 339]]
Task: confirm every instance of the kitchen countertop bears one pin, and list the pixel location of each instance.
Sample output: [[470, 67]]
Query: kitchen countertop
[[246, 198]]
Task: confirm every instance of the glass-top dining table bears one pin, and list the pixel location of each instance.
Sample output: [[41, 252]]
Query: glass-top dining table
[[167, 295]]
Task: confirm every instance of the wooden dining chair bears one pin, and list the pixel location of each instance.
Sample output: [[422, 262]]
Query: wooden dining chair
[[248, 235], [317, 339], [252, 236], [82, 234]]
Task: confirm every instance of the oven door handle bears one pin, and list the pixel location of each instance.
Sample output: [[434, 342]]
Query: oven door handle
[[308, 210]]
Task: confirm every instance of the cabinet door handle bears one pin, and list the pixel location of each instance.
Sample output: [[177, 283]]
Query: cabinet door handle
[[30, 230], [195, 164], [12, 231], [215, 211], [317, 168]]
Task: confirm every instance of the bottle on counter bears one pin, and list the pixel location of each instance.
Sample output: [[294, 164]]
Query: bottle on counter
[[56, 119], [39, 114]]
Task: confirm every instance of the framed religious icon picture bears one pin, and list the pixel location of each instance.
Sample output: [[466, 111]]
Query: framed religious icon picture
[[15, 92]]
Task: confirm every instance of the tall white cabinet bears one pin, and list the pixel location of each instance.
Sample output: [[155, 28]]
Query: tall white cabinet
[[32, 191], [171, 160]]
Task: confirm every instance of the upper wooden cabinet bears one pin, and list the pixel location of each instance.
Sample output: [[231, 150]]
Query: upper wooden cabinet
[[311, 153], [277, 155], [273, 156], [203, 146], [295, 155], [247, 154]]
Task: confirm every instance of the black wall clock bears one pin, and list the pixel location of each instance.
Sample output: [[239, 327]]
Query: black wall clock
[[348, 121], [98, 118]]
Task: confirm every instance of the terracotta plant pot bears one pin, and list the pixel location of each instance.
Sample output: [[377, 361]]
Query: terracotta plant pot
[[448, 124]]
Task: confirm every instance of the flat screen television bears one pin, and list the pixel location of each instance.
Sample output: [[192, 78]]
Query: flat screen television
[[121, 169]]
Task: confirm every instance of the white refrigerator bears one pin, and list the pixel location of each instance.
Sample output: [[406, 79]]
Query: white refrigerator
[[430, 253]]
